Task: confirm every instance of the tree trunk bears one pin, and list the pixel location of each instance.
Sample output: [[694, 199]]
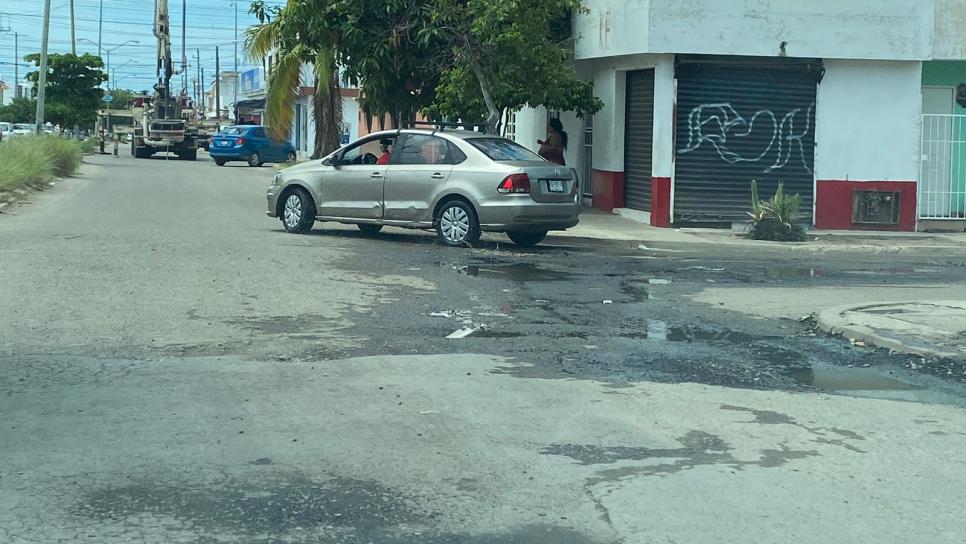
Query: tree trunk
[[493, 115], [327, 105]]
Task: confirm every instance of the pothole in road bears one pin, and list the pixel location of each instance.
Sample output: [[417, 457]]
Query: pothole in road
[[848, 379], [793, 273], [520, 272]]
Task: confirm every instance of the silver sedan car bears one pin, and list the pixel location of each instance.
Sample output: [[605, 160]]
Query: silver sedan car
[[458, 182]]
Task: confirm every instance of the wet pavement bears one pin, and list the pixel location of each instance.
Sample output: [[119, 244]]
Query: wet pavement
[[187, 372]]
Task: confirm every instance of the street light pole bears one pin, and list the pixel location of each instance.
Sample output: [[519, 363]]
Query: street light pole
[[42, 78]]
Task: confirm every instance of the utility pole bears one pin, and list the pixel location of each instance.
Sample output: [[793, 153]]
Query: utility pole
[[100, 26], [204, 91], [236, 78], [73, 33], [217, 85], [16, 65], [184, 37], [42, 79]]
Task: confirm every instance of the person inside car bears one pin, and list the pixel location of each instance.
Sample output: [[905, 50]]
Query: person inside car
[[386, 154]]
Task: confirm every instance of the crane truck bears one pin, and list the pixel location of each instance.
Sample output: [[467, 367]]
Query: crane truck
[[165, 121]]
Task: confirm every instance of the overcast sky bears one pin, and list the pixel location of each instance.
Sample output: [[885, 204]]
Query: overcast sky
[[210, 23]]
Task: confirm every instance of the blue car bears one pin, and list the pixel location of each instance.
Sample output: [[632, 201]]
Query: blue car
[[249, 143]]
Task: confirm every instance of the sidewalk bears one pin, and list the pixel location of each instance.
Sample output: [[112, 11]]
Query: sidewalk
[[928, 328], [601, 226]]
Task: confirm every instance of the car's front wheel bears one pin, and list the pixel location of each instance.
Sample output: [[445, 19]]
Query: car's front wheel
[[527, 239], [255, 159], [457, 224], [298, 212]]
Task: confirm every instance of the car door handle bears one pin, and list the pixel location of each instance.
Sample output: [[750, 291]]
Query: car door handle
[[437, 175], [376, 175]]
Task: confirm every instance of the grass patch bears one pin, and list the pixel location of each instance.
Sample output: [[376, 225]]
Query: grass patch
[[30, 161]]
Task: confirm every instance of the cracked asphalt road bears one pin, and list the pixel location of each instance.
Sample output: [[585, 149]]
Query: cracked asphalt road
[[174, 368]]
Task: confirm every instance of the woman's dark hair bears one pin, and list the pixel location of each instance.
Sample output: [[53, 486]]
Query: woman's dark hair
[[557, 126]]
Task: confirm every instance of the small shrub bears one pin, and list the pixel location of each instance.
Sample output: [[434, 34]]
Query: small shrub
[[65, 155], [776, 219], [29, 161], [89, 145]]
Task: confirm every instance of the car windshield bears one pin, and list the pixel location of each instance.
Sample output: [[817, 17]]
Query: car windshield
[[501, 149]]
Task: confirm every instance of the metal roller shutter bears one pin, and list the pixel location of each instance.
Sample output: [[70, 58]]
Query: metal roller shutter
[[638, 135], [741, 120]]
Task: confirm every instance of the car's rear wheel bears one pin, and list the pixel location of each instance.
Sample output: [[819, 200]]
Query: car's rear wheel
[[254, 160], [370, 230], [220, 162], [527, 239], [298, 212], [457, 224]]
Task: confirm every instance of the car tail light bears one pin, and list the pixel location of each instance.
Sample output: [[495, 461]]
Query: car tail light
[[515, 183], [240, 141]]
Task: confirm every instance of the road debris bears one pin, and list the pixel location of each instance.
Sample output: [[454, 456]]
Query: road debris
[[658, 281]]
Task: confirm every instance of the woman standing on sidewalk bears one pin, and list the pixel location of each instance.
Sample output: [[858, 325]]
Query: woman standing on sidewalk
[[555, 145]]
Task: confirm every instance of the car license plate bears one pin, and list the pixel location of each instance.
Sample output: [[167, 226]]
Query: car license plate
[[555, 186]]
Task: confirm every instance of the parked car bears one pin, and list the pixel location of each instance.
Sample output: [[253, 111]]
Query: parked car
[[249, 143], [459, 183], [23, 129], [5, 129]]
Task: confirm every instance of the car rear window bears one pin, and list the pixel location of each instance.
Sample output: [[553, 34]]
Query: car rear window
[[501, 149], [231, 131]]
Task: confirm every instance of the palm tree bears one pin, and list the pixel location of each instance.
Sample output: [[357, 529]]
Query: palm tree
[[285, 37]]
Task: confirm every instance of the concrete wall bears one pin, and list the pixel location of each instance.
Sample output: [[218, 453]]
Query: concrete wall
[[867, 121], [950, 29], [845, 29]]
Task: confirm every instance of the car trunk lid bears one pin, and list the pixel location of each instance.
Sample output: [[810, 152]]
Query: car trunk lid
[[549, 182]]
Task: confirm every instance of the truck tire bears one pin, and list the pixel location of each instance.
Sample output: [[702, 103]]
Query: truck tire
[[189, 155]]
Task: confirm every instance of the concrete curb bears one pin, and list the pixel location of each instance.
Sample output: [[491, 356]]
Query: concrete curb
[[831, 320], [20, 193]]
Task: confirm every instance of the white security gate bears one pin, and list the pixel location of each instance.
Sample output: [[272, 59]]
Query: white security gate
[[942, 176]]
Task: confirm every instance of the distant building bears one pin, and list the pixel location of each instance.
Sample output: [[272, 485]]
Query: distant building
[[227, 89]]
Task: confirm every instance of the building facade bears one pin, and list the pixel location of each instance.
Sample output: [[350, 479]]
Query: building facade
[[851, 103]]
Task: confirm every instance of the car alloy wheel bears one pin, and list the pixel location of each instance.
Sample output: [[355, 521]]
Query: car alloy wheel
[[455, 225], [254, 160], [293, 211]]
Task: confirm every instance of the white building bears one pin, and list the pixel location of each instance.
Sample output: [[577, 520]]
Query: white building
[[848, 102], [226, 89]]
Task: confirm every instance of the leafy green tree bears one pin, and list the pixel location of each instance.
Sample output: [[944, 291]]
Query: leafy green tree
[[21, 110], [507, 54], [120, 98], [288, 33], [73, 93]]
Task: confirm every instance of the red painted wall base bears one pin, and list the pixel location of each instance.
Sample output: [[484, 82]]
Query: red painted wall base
[[833, 204], [608, 190], [661, 202]]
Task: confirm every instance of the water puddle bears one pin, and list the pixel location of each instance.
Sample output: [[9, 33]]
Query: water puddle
[[520, 272], [792, 273], [848, 379], [660, 331], [868, 383]]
